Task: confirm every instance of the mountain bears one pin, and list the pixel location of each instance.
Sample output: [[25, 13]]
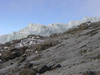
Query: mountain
[[73, 52], [39, 29]]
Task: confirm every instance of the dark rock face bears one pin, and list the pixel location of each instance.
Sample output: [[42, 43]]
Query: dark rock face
[[12, 53], [15, 41], [7, 55], [44, 69], [28, 65], [27, 72], [55, 66], [45, 45], [39, 69], [88, 73], [7, 44], [22, 58], [21, 50]]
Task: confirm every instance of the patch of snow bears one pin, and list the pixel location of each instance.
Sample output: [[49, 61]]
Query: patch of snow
[[13, 52], [5, 47], [36, 52], [0, 61]]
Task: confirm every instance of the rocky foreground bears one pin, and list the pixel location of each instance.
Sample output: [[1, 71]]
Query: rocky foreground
[[74, 52]]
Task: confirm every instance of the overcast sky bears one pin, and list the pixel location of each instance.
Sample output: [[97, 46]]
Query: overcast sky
[[16, 14]]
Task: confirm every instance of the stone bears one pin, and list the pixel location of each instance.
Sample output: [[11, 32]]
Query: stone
[[27, 72], [88, 73], [7, 55], [28, 65], [43, 69], [12, 53], [55, 66], [83, 51], [22, 58]]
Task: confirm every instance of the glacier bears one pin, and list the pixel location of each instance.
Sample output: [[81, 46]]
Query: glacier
[[43, 30]]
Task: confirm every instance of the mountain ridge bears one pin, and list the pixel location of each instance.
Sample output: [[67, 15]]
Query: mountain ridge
[[74, 52], [40, 29]]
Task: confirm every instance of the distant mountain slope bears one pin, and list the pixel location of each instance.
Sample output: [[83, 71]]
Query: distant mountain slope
[[39, 29], [74, 52]]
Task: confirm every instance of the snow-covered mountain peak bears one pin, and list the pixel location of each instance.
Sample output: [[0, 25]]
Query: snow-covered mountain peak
[[34, 25], [43, 30], [75, 23]]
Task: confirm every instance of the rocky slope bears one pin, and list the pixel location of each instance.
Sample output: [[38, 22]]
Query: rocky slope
[[74, 52], [43, 30]]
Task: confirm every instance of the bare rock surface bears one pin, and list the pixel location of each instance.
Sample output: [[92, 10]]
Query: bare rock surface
[[74, 52]]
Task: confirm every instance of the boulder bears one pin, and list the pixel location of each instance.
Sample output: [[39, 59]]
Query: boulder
[[7, 44], [12, 53], [43, 68], [55, 66], [28, 65], [88, 73], [7, 55], [15, 41], [27, 72], [22, 58]]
